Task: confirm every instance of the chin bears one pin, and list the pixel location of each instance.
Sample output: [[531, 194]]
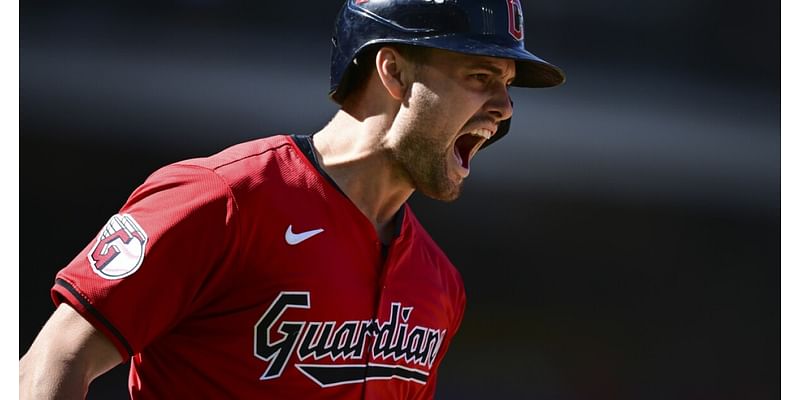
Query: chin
[[431, 175], [447, 192]]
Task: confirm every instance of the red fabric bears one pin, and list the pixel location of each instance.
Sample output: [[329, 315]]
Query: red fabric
[[195, 314]]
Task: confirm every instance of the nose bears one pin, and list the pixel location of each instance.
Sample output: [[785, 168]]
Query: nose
[[500, 105]]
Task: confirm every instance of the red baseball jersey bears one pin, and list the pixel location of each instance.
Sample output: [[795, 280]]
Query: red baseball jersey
[[249, 274]]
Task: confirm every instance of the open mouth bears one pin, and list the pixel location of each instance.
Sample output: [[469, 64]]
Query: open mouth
[[468, 144]]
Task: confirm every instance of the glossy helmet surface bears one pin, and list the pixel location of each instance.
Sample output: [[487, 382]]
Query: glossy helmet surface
[[481, 27]]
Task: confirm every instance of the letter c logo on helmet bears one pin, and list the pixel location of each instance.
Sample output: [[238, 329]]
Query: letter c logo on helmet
[[515, 26], [491, 28]]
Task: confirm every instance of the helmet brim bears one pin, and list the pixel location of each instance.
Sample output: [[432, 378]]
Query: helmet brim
[[531, 71]]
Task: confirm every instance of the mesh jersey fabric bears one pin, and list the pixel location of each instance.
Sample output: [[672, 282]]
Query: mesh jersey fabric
[[223, 306]]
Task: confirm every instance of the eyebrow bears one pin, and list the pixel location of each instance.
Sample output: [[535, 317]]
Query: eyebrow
[[489, 67]]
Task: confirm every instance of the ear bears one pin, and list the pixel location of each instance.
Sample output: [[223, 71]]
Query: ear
[[394, 71]]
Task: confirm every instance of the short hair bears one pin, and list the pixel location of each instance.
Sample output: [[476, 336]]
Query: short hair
[[363, 65]]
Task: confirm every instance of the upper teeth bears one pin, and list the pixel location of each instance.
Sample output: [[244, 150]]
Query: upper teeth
[[484, 133]]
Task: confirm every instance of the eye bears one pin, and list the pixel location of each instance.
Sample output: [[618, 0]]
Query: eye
[[481, 77]]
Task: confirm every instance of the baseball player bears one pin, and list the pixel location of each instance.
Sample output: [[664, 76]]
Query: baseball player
[[291, 267]]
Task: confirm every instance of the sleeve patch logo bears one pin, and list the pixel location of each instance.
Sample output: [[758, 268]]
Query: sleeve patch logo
[[119, 250]]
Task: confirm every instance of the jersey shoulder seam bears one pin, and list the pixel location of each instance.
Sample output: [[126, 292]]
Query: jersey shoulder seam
[[229, 191], [227, 163]]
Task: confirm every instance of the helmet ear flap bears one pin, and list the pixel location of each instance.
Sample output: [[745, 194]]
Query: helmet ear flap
[[355, 73]]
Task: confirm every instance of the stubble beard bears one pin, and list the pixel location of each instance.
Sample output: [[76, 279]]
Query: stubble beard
[[425, 158]]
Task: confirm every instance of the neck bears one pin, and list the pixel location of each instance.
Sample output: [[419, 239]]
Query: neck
[[352, 151]]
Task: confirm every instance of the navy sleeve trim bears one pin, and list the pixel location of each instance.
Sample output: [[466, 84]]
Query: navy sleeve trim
[[96, 314]]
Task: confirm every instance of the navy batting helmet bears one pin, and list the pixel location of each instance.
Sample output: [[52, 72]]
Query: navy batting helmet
[[481, 27]]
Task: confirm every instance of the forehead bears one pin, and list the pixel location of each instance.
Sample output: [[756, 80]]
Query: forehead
[[453, 60]]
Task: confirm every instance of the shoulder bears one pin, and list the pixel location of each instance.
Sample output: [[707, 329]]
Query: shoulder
[[244, 166], [440, 275], [434, 254], [423, 239], [245, 155], [229, 176]]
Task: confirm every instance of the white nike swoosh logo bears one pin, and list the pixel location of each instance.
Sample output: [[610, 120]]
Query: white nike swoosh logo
[[295, 238]]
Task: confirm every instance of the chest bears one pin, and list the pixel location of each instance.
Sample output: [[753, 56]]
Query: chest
[[317, 304]]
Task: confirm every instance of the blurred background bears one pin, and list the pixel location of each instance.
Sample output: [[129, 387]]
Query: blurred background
[[621, 243]]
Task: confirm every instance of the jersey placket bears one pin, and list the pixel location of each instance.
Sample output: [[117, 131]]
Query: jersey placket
[[381, 312]]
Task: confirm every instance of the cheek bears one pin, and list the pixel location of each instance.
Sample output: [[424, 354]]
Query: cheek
[[460, 101], [422, 97], [443, 109], [426, 108]]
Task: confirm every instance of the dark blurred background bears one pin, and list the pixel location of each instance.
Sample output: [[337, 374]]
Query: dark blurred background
[[621, 243]]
